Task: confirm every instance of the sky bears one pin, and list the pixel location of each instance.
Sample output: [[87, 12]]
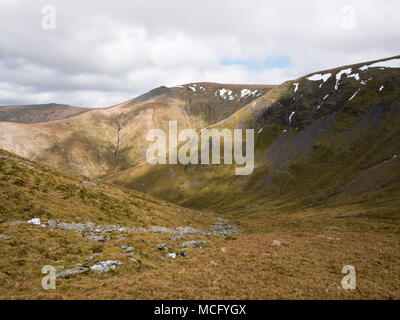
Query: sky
[[101, 53]]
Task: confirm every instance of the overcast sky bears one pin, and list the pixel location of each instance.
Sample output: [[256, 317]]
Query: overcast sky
[[104, 52]]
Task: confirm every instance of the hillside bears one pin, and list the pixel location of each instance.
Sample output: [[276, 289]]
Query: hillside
[[107, 140], [37, 113], [325, 140], [107, 242]]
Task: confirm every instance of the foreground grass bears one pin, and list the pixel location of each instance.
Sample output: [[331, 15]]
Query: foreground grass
[[315, 244], [306, 265]]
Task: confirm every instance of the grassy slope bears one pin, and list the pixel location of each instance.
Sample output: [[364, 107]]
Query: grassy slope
[[314, 247], [87, 144], [338, 154], [38, 113]]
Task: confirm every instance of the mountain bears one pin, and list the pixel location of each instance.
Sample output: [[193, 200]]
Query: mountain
[[101, 141], [324, 194], [327, 139], [36, 113]]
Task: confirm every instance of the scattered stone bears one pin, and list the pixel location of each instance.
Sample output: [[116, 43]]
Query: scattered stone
[[157, 229], [5, 237], [221, 220], [98, 238], [35, 221], [61, 196], [187, 231], [15, 223], [70, 272], [187, 221], [162, 246], [194, 244], [276, 243], [106, 266], [93, 256], [176, 238], [52, 224], [170, 255], [223, 229], [3, 156], [130, 249], [182, 253], [133, 260], [89, 183]]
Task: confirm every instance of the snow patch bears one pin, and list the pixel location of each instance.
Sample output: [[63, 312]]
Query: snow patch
[[291, 116], [296, 87], [319, 77], [245, 93], [323, 100], [355, 76], [381, 88], [393, 63], [339, 76], [354, 95]]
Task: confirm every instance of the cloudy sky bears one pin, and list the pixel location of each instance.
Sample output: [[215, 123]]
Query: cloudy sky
[[104, 52]]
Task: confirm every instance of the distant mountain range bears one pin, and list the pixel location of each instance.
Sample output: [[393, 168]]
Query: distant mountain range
[[328, 137], [38, 113]]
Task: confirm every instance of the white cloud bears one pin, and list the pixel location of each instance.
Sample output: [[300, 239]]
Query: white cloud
[[105, 52]]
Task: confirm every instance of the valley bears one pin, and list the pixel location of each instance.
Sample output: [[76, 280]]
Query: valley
[[77, 194]]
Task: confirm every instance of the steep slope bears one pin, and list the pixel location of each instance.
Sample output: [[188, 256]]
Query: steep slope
[[105, 140], [327, 139], [38, 113]]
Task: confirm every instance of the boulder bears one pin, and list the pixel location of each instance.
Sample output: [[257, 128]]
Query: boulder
[[275, 243], [70, 272], [93, 237], [194, 244], [162, 246], [106, 266], [35, 221]]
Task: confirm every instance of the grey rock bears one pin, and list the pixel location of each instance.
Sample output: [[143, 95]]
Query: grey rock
[[3, 156], [176, 238], [93, 256], [162, 246], [5, 237], [89, 183], [194, 244], [98, 238], [223, 229], [182, 253], [52, 224], [70, 272], [15, 223], [157, 229], [275, 243], [106, 266], [187, 231], [35, 221]]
